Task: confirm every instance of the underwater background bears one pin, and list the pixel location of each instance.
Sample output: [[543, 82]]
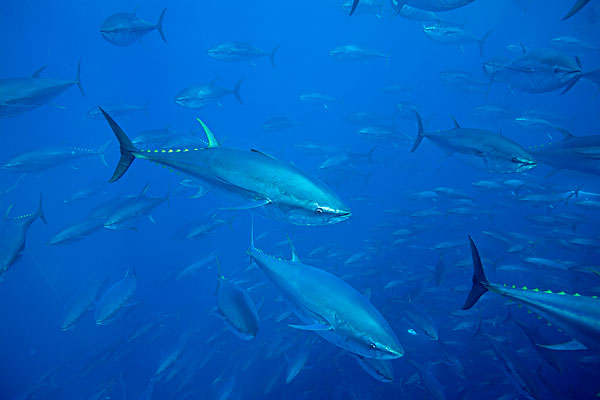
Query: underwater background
[[406, 241]]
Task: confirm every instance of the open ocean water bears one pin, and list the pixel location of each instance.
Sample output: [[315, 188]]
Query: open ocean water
[[303, 228]]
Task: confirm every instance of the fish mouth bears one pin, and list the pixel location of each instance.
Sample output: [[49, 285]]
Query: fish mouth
[[526, 165]]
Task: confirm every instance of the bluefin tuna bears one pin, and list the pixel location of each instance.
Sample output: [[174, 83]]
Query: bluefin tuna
[[575, 153], [330, 307], [576, 315], [278, 189], [124, 29], [493, 152], [20, 95], [540, 70]]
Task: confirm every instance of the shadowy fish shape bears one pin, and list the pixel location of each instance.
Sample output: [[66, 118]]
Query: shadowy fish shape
[[240, 51], [13, 232], [116, 299]]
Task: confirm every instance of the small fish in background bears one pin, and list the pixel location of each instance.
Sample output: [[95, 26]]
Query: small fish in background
[[240, 51], [123, 110], [124, 29], [318, 98], [203, 94], [352, 52]]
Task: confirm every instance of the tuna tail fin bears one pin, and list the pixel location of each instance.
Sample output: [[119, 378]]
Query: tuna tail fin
[[479, 280], [40, 211], [236, 91], [78, 79], [575, 9], [354, 5], [126, 147], [159, 25], [420, 133], [483, 40], [571, 84], [272, 55]]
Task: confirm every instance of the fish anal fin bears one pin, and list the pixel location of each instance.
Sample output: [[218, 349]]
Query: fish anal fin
[[248, 206], [313, 327], [566, 346]]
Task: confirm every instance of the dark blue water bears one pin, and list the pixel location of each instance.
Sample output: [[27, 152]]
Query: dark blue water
[[39, 360]]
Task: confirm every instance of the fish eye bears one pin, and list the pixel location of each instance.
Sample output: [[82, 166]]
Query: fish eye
[[515, 160], [319, 210], [372, 346]]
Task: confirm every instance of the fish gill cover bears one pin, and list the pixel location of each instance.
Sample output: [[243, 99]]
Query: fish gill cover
[[363, 180]]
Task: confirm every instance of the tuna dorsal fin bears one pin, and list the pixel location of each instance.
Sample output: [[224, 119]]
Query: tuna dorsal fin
[[295, 257], [523, 48], [456, 124], [212, 140], [37, 73], [264, 154], [566, 134], [8, 211], [130, 273]]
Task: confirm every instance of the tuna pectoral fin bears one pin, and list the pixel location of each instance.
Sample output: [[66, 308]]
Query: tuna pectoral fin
[[483, 40], [571, 84], [127, 148], [249, 206], [567, 346], [420, 133], [78, 79], [40, 211], [313, 327], [159, 25], [479, 279]]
